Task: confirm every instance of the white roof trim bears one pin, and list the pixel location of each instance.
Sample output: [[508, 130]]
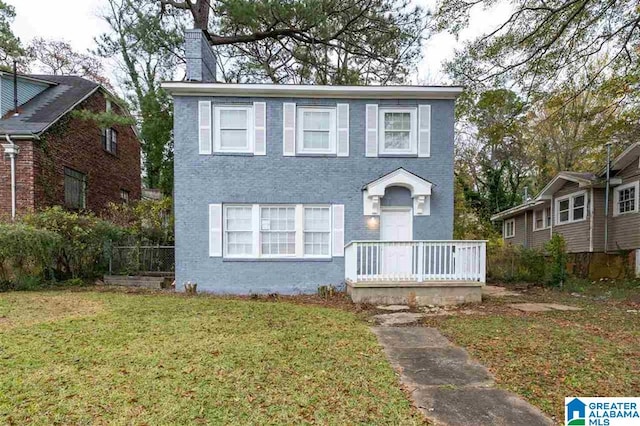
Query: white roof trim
[[299, 90], [517, 209], [399, 177]]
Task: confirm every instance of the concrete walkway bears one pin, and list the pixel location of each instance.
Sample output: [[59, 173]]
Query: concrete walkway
[[449, 387]]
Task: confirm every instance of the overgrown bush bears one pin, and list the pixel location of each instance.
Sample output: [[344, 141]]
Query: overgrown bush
[[83, 240], [27, 254], [146, 221], [556, 249], [509, 263]]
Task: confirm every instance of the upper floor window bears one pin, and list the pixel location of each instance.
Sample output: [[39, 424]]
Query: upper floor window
[[571, 208], [316, 130], [626, 198], [509, 230], [75, 189], [542, 219], [233, 125], [398, 131], [110, 140]]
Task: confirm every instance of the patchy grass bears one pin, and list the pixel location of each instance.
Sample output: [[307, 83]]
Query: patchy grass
[[115, 358], [547, 356]]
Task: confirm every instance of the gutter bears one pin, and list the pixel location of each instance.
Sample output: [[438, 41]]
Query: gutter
[[313, 91]]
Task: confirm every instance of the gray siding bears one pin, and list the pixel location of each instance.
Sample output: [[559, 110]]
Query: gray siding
[[575, 234], [540, 237], [204, 179], [26, 90], [624, 230], [520, 233]]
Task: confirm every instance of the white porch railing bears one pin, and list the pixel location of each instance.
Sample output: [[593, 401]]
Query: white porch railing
[[415, 261]]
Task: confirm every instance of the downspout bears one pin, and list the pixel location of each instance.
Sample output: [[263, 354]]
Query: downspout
[[11, 149], [606, 199]]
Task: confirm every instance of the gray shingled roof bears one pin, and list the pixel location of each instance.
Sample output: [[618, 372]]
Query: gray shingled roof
[[47, 107]]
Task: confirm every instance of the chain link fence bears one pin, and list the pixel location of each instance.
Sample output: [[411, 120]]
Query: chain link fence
[[138, 259]]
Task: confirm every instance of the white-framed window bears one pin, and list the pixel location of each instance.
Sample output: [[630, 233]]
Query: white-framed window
[[626, 198], [233, 126], [317, 231], [542, 219], [238, 231], [571, 208], [398, 131], [509, 230], [277, 231], [316, 130]]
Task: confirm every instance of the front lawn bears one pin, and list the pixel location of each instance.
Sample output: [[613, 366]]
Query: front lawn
[[547, 356], [99, 357]]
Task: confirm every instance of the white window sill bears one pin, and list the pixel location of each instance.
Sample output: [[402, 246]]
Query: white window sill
[[277, 259], [625, 213], [569, 222], [542, 229]]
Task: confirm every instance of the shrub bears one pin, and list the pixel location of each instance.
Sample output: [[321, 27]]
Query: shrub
[[556, 248], [83, 240], [509, 263], [146, 221], [26, 254]]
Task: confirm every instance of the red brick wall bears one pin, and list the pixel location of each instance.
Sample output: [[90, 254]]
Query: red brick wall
[[24, 180], [75, 143]]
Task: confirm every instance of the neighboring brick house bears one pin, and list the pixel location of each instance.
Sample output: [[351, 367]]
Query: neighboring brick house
[[60, 158], [277, 186], [573, 205]]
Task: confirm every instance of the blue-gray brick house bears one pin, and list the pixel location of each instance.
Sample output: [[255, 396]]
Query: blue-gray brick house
[[285, 188]]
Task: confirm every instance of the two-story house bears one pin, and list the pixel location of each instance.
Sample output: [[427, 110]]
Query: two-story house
[[284, 188], [50, 155], [573, 205]]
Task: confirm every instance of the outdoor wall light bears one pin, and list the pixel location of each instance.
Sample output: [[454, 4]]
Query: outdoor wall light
[[373, 223]]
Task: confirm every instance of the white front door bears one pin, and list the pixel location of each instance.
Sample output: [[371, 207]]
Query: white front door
[[396, 225]]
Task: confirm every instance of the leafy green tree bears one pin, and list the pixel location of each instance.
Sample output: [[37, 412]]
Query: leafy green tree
[[148, 48], [311, 41], [492, 158], [544, 42], [10, 47]]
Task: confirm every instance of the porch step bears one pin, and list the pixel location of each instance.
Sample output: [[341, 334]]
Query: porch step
[[135, 281]]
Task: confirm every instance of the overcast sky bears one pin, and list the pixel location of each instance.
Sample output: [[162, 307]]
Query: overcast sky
[[79, 22]]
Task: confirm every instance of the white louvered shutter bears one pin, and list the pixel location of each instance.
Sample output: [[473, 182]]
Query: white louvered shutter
[[215, 230], [338, 230], [288, 129], [343, 130], [424, 131], [204, 127], [260, 128], [372, 130]]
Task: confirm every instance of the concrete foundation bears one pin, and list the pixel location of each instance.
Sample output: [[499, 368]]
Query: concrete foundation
[[417, 293]]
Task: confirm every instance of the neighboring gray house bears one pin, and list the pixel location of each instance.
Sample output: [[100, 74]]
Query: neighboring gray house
[[284, 188], [573, 205]]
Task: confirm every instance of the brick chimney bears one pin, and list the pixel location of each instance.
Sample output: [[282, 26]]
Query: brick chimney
[[201, 61]]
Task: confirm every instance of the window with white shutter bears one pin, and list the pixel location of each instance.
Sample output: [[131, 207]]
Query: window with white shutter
[[424, 131], [371, 125], [204, 127], [343, 130], [260, 128], [288, 129]]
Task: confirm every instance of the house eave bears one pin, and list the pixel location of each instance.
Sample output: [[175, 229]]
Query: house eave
[[306, 91]]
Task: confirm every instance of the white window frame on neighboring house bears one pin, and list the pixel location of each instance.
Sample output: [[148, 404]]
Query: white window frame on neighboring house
[[261, 226], [509, 228], [331, 131], [546, 219], [413, 131], [635, 186], [571, 198], [246, 126]]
